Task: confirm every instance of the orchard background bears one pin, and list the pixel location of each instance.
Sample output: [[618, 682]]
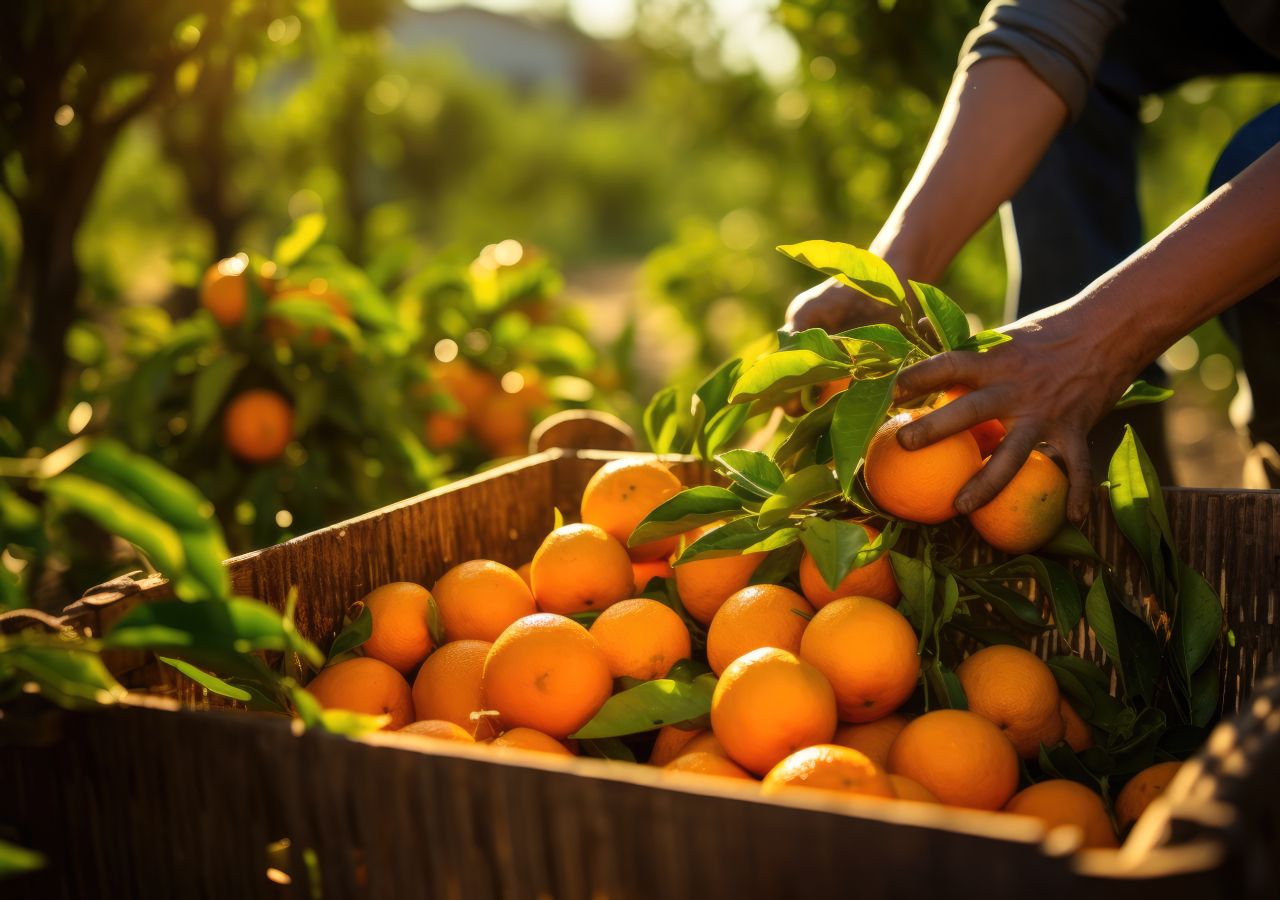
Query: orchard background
[[481, 213]]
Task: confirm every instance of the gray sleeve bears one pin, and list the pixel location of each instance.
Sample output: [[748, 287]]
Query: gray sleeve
[[1061, 40]]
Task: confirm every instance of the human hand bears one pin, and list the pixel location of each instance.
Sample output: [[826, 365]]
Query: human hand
[[835, 307]]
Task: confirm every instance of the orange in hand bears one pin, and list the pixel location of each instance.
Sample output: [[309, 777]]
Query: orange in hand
[[401, 635], [619, 496], [988, 434], [1028, 510], [919, 485]]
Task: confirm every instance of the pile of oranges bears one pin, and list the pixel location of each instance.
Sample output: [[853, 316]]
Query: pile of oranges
[[812, 685]]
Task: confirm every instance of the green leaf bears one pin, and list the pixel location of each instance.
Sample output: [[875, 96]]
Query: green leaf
[[355, 632], [1204, 696], [1088, 689], [943, 687], [1011, 606], [1199, 623], [334, 721], [301, 237], [1057, 584], [816, 340], [812, 484], [752, 470], [779, 566], [807, 430], [948, 319], [859, 412], [211, 682], [738, 537], [721, 428], [859, 269], [1140, 393], [983, 341], [668, 422], [887, 338], [306, 312], [1138, 504], [650, 705], [834, 545], [916, 581], [770, 377], [205, 552], [1125, 638], [709, 399], [66, 673], [608, 748], [209, 387], [169, 495], [688, 509], [950, 600], [15, 860], [1069, 541]]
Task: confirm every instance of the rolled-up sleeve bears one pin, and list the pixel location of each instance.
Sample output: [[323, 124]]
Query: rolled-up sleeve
[[1061, 40]]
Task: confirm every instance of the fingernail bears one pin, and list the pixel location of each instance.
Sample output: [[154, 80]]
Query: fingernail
[[907, 438], [964, 505]]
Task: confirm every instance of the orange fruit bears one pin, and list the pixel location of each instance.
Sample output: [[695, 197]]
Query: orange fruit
[[365, 685], [988, 434], [1077, 733], [547, 673], [769, 704], [279, 328], [448, 685], [641, 639], [707, 764], [906, 789], [646, 570], [762, 615], [869, 653], [919, 485], [829, 767], [959, 757], [525, 572], [1014, 689], [621, 493], [1141, 789], [223, 291], [872, 739], [705, 742], [580, 568], [875, 579], [1059, 802], [438, 730], [401, 636], [443, 430], [704, 584], [502, 424], [478, 599], [257, 425], [529, 739], [670, 741], [831, 388], [1028, 510]]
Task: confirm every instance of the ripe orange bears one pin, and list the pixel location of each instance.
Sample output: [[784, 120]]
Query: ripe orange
[[919, 485], [400, 637], [502, 424], [257, 425], [438, 729], [906, 789], [1014, 689], [443, 430], [580, 568], [547, 673], [670, 741], [959, 757], [621, 493], [704, 584], [829, 767], [769, 704], [762, 615], [1077, 733], [1141, 789], [988, 434], [525, 572], [872, 739], [705, 742], [529, 739], [869, 653], [872, 580], [1060, 802], [707, 764], [448, 685], [365, 685], [1028, 510], [831, 388], [478, 599], [641, 639], [223, 291], [645, 571]]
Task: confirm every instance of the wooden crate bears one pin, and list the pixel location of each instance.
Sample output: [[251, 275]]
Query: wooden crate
[[166, 798]]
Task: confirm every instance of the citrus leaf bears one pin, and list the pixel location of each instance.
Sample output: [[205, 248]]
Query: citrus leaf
[[210, 682], [738, 537], [816, 340], [771, 377], [834, 545], [812, 484], [983, 341], [650, 705], [948, 319], [887, 338], [807, 430], [859, 412], [355, 632], [859, 269], [686, 510], [668, 422], [1140, 393], [15, 860], [301, 237], [752, 470], [209, 387], [1070, 541]]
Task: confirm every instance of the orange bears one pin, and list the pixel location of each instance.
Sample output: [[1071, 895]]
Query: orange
[[223, 291], [829, 767], [869, 653], [438, 730], [906, 789], [872, 739], [1076, 733], [875, 579], [529, 739], [641, 639], [280, 328], [645, 571], [580, 568], [448, 685], [478, 599], [443, 430], [502, 424], [705, 742], [769, 704], [707, 764], [1028, 510], [670, 741], [704, 584], [257, 425], [547, 673], [1014, 689], [959, 757], [365, 685], [621, 493], [401, 636], [988, 434], [919, 485], [1059, 802], [1141, 789], [525, 572], [831, 388], [763, 615]]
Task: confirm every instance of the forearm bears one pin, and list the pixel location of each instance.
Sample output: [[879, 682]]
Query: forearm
[[996, 124]]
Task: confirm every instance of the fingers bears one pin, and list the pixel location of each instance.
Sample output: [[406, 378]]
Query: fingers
[[1075, 454], [936, 373], [1000, 468], [955, 417]]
